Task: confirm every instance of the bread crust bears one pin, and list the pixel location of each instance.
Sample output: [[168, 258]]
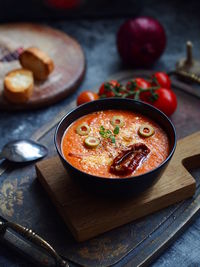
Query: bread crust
[[13, 91], [37, 61]]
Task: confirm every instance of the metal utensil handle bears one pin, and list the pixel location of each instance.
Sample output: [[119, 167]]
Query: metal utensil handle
[[184, 74], [37, 240]]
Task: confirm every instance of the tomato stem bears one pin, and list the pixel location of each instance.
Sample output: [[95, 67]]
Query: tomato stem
[[133, 91]]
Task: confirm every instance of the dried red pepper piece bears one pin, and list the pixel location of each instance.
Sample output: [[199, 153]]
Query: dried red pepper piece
[[128, 160]]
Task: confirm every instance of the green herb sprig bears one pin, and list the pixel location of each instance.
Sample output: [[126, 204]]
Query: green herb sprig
[[116, 130], [108, 134]]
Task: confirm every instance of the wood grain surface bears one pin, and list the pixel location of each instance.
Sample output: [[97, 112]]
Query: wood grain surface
[[88, 216], [66, 53]]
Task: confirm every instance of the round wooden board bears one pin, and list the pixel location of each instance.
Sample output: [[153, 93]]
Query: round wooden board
[[66, 53]]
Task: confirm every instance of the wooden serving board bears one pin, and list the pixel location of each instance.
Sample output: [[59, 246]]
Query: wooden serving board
[[66, 53], [88, 215]]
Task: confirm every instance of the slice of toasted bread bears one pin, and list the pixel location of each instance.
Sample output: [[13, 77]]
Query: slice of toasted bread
[[18, 85], [37, 61]]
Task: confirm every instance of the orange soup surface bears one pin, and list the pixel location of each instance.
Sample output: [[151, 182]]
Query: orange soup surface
[[111, 132]]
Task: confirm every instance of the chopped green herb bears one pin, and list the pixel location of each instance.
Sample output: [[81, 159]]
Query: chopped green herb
[[116, 130], [104, 133], [108, 134], [102, 129], [112, 138]]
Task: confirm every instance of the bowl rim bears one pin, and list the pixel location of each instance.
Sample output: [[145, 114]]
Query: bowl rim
[[117, 178]]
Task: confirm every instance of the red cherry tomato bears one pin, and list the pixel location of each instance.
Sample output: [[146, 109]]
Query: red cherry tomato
[[166, 100], [86, 96], [136, 84], [142, 83], [106, 88], [162, 79]]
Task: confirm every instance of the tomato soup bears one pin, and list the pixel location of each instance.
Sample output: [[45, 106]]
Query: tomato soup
[[115, 143]]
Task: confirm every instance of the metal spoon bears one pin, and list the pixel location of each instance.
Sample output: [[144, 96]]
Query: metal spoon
[[23, 151]]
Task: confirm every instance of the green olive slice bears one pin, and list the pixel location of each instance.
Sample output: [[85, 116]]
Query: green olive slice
[[117, 121], [83, 129], [146, 130], [91, 141]]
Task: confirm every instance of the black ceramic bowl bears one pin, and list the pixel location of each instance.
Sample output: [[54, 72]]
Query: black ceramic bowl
[[134, 184]]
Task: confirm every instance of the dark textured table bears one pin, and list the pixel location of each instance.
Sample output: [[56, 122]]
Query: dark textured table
[[97, 37]]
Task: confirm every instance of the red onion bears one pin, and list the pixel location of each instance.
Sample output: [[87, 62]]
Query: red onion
[[63, 4], [141, 41]]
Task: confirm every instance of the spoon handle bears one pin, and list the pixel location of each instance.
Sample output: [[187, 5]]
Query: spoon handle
[[35, 239]]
